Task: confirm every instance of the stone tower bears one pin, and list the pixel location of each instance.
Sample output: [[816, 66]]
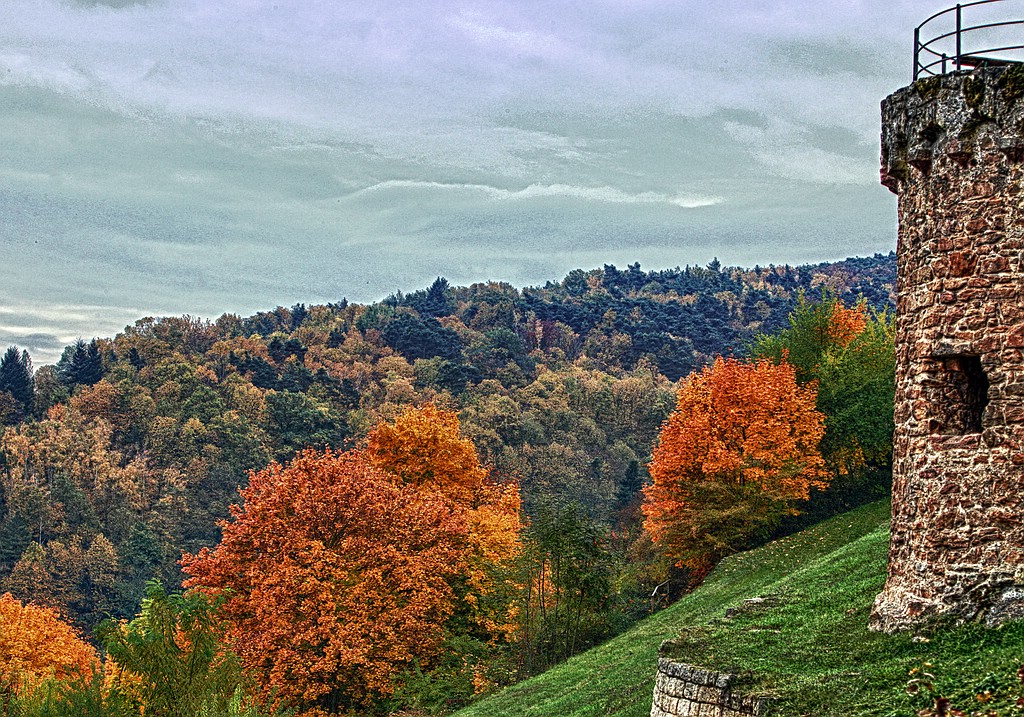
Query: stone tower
[[953, 152]]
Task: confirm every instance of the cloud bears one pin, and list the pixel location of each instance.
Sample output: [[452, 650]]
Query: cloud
[[202, 156], [115, 4], [608, 195], [493, 36], [613, 196], [35, 343], [348, 64], [793, 151]]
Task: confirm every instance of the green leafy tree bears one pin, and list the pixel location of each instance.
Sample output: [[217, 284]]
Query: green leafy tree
[[849, 354], [298, 420], [49, 391], [567, 581], [173, 656]]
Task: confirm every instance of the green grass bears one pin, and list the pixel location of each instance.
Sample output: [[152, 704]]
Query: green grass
[[809, 649]]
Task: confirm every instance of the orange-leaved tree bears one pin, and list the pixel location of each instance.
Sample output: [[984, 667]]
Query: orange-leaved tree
[[424, 449], [336, 577], [736, 455], [35, 644], [846, 323]]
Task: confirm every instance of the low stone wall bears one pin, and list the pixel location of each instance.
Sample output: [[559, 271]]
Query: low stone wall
[[686, 691]]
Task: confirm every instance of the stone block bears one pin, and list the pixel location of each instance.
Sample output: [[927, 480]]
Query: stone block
[[682, 690], [1015, 337], [962, 263]]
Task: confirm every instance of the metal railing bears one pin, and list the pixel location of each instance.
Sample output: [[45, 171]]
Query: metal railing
[[963, 45]]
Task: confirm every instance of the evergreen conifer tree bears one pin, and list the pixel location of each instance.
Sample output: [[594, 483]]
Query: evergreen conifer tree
[[16, 377], [436, 302], [135, 358], [81, 364]]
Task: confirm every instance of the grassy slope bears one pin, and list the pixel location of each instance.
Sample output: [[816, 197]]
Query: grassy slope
[[811, 650]]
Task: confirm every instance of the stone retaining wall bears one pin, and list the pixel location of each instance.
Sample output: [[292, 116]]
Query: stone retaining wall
[[686, 691]]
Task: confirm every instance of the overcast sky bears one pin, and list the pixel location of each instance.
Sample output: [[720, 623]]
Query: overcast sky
[[211, 156]]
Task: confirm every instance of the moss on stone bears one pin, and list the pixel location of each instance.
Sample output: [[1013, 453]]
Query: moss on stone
[[974, 91], [970, 129], [928, 87], [1012, 83], [899, 170]]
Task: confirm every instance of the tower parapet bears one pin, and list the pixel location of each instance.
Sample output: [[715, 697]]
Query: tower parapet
[[953, 152]]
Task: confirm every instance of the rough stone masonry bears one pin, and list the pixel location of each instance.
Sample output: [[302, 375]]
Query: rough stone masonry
[[953, 151], [682, 690]]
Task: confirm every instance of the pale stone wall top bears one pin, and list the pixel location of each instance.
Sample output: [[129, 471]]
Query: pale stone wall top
[[682, 690]]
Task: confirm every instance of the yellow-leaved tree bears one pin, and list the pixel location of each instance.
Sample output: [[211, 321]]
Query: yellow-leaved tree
[[424, 449], [35, 644]]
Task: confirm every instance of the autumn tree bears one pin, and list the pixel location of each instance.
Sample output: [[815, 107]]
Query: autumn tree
[[737, 454], [35, 644], [424, 449], [337, 578], [32, 581], [848, 353]]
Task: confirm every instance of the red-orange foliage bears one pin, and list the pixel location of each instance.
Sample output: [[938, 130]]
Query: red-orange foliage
[[740, 448], [338, 576], [36, 644], [424, 449], [846, 324], [345, 569]]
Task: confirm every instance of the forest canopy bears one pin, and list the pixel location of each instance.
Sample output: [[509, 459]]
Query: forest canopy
[[495, 443]]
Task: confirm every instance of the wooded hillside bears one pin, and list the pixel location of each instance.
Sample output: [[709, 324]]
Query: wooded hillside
[[130, 449]]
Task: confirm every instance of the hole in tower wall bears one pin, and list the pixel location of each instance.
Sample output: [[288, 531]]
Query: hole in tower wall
[[963, 395]]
